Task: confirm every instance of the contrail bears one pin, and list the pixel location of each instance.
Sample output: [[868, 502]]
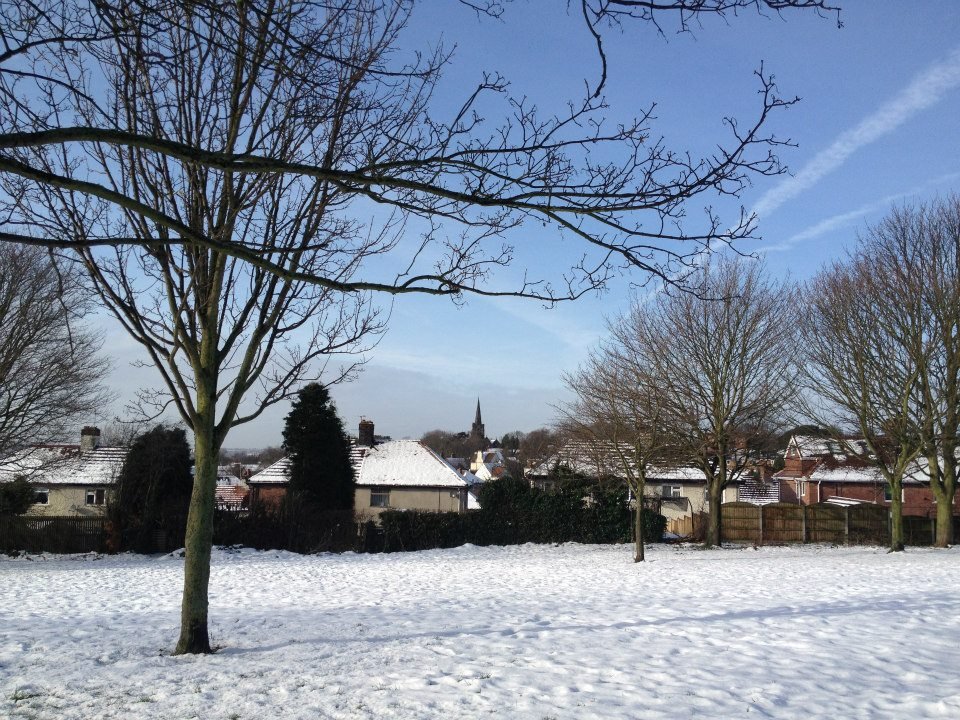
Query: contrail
[[925, 89]]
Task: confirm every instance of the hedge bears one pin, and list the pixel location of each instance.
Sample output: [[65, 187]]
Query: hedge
[[514, 513]]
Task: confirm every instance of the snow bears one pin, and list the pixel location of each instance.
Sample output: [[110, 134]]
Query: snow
[[279, 472], [676, 474], [520, 632], [846, 474], [65, 465], [810, 446], [407, 463], [584, 458]]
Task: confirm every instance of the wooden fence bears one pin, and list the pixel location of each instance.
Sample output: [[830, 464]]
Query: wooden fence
[[740, 522], [300, 532], [780, 523], [52, 534]]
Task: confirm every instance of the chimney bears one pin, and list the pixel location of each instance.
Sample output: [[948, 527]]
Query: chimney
[[365, 436], [89, 438]]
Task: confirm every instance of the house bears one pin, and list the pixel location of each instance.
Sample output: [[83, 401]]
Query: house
[[488, 464], [680, 490], [68, 479], [232, 492], [831, 470], [407, 475], [393, 475], [269, 486], [577, 459]]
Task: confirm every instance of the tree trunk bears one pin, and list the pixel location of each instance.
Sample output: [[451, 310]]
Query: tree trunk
[[896, 516], [638, 531], [714, 498], [194, 637], [945, 512], [944, 485]]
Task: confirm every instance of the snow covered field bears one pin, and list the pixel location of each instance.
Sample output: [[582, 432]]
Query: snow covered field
[[523, 632]]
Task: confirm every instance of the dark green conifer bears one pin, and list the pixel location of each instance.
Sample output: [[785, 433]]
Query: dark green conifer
[[321, 474]]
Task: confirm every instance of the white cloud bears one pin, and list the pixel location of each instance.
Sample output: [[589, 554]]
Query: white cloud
[[925, 90]]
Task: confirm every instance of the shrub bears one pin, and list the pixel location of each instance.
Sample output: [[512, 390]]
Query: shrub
[[16, 497]]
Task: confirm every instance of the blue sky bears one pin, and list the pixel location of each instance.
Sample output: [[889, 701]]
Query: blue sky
[[879, 123]]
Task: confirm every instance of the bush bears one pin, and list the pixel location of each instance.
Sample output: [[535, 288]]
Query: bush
[[514, 513], [152, 491], [16, 497], [654, 526]]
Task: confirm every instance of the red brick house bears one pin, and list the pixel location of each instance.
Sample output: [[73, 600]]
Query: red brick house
[[820, 469]]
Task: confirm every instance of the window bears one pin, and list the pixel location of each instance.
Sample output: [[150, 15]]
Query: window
[[96, 496], [380, 497], [888, 492], [670, 491], [41, 496]]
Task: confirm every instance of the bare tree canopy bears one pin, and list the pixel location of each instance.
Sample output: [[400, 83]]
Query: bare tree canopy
[[471, 183], [888, 357], [862, 362], [50, 371], [723, 369], [620, 415]]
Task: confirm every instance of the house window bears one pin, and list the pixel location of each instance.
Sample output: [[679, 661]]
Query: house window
[[96, 496], [41, 496], [670, 491], [888, 492], [380, 497]]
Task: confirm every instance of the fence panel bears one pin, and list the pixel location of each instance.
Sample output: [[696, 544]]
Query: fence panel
[[52, 534], [783, 523], [740, 522], [681, 526], [826, 524], [868, 524], [918, 530]]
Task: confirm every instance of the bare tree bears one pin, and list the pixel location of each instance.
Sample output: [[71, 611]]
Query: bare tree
[[915, 253], [471, 184], [538, 446], [229, 338], [208, 163], [862, 340], [722, 367], [50, 370], [620, 415]]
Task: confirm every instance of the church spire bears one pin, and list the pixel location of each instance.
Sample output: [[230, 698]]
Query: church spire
[[477, 430]]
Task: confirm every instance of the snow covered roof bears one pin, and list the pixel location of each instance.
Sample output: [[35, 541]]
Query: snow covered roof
[[231, 497], [278, 473], [809, 446], [846, 474], [398, 462], [583, 459], [676, 474], [65, 465], [407, 463]]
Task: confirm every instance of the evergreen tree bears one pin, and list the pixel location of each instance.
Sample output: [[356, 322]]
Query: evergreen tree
[[16, 497], [153, 488], [321, 474]]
